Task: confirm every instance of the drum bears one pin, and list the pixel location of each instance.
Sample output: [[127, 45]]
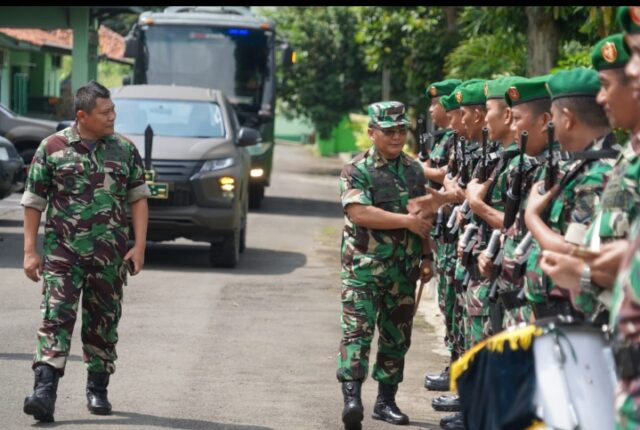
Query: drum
[[575, 377], [550, 374]]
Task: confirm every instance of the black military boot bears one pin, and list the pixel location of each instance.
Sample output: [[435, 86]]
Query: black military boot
[[438, 382], [353, 412], [42, 403], [386, 408], [452, 422], [97, 401], [446, 403]]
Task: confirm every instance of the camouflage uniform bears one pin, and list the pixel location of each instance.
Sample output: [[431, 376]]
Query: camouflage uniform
[[625, 322], [619, 207], [86, 192], [575, 204], [512, 237], [443, 251], [477, 297], [380, 268]]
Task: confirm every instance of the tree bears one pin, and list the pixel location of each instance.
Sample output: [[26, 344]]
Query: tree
[[329, 78]]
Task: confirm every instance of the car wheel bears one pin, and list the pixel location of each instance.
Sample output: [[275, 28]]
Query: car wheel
[[243, 239], [27, 155], [256, 194], [226, 253]]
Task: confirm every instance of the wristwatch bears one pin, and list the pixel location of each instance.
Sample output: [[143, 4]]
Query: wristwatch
[[585, 281], [427, 256]]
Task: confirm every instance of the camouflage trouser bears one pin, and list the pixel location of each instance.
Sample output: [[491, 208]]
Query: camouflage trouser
[[459, 309], [101, 288], [389, 301], [628, 404], [446, 293], [478, 324]]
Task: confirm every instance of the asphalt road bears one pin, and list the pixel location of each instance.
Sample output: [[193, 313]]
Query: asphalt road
[[247, 348]]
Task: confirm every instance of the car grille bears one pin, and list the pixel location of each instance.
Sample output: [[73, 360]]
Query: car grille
[[178, 174], [176, 198]]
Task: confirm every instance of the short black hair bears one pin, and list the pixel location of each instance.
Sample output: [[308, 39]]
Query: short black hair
[[586, 109], [85, 98], [540, 106]]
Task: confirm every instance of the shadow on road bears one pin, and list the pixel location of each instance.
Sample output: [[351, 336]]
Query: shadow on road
[[301, 207], [11, 223], [195, 258], [135, 419]]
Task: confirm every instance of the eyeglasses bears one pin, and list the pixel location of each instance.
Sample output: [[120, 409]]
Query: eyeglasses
[[390, 132]]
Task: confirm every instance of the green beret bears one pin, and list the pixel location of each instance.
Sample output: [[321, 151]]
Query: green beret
[[449, 102], [610, 53], [496, 88], [471, 94], [442, 88], [629, 19], [577, 82], [528, 90]]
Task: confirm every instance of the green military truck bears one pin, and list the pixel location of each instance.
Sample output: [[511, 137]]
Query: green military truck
[[225, 48]]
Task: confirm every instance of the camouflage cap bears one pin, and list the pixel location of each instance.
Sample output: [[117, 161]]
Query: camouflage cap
[[578, 82], [496, 88], [628, 18], [387, 114], [442, 88], [527, 91], [609, 53], [471, 94]]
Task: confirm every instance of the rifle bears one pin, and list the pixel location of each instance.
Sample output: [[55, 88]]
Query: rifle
[[494, 253], [467, 243], [514, 194], [453, 168], [550, 178], [464, 174], [483, 169], [422, 139], [452, 225], [521, 254]]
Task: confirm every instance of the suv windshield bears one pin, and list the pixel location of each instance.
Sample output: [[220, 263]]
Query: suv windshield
[[169, 117], [192, 55]]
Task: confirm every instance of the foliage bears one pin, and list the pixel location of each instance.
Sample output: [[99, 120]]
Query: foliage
[[326, 81], [573, 54], [110, 74]]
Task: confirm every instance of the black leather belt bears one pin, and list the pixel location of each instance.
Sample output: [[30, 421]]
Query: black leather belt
[[510, 299], [556, 306], [627, 360]]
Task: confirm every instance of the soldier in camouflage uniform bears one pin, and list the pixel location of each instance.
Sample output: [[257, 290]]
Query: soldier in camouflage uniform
[[85, 176], [490, 210], [435, 169], [530, 105], [581, 125], [382, 247]]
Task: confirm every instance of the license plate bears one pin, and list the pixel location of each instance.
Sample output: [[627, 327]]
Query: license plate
[[159, 190]]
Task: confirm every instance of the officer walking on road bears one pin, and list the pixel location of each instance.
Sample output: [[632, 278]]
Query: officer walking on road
[[382, 246], [85, 176]]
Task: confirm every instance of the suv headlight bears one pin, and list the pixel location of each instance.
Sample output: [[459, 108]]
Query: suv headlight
[[4, 154], [219, 164]]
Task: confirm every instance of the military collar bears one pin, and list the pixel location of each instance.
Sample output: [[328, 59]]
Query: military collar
[[73, 136], [380, 161]]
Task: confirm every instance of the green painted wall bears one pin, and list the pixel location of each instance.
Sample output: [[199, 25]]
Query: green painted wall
[[5, 79]]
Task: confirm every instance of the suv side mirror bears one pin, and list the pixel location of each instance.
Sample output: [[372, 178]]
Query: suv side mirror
[[64, 124], [248, 136]]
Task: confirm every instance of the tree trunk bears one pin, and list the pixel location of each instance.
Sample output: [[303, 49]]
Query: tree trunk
[[386, 84], [451, 13], [543, 39]]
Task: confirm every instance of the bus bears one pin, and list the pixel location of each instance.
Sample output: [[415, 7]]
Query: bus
[[222, 47]]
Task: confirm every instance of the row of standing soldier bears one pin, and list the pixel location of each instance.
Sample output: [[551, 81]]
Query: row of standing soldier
[[526, 165]]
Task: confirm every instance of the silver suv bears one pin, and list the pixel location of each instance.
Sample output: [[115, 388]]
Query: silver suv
[[198, 168]]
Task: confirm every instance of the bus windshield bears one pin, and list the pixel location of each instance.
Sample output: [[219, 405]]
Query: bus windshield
[[233, 60]]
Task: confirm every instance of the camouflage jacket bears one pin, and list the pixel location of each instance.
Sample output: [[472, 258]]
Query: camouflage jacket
[[86, 193], [620, 205], [369, 179], [440, 150], [624, 318], [576, 203]]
